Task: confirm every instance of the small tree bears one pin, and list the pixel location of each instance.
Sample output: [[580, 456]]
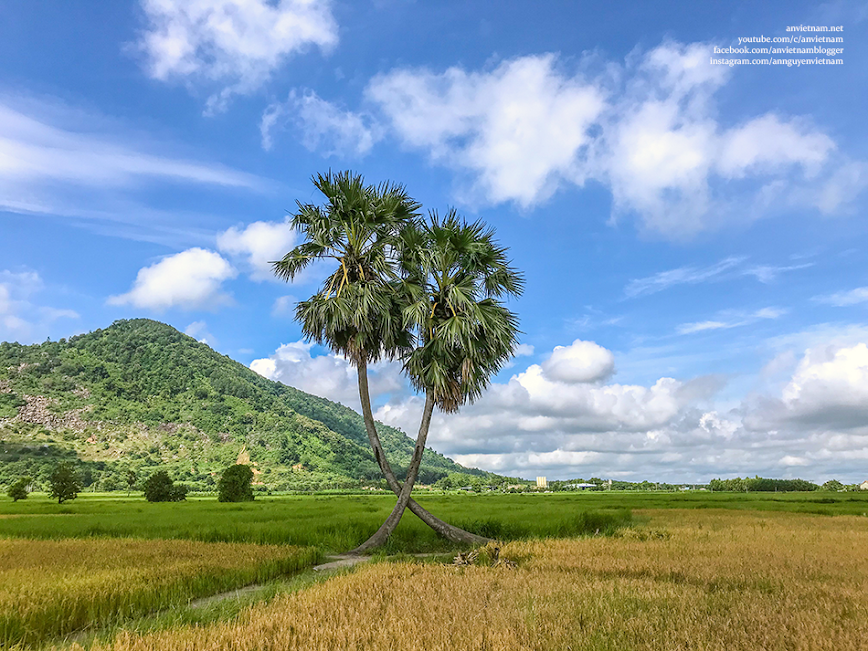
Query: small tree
[[65, 484], [18, 490], [159, 487], [131, 480], [235, 484], [833, 485]]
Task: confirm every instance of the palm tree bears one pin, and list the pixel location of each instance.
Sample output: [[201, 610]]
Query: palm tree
[[357, 312], [453, 274]]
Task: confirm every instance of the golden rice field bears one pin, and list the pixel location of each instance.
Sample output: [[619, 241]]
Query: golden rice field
[[716, 580], [52, 587]]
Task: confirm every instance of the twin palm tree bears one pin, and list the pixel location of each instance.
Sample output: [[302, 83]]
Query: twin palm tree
[[423, 292]]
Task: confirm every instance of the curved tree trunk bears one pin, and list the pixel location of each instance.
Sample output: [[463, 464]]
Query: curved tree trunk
[[382, 534], [446, 530]]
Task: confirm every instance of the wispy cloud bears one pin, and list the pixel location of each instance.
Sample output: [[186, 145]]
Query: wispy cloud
[[728, 268], [769, 273], [681, 276], [55, 160], [844, 299], [20, 319], [735, 320]]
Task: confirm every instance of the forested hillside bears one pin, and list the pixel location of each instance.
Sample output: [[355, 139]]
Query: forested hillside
[[140, 395]]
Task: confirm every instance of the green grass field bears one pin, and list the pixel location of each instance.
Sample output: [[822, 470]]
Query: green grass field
[[333, 523], [338, 523]]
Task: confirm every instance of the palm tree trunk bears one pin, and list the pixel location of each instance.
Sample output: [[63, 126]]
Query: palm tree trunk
[[446, 530], [382, 534]]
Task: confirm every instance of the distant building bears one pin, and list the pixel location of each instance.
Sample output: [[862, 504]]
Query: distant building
[[864, 485], [581, 486], [542, 482]]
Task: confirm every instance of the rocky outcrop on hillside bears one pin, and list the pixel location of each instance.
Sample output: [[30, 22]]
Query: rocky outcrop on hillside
[[37, 411]]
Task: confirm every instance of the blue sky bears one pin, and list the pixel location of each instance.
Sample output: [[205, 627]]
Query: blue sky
[[692, 234]]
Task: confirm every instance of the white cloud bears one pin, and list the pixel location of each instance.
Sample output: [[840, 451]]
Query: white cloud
[[553, 418], [681, 276], [769, 142], [84, 167], [727, 269], [328, 376], [581, 361], [188, 280], [258, 244], [284, 306], [34, 150], [233, 43], [537, 423], [844, 299], [20, 319], [518, 128], [323, 126], [829, 379], [735, 320], [524, 350], [769, 273], [648, 130], [199, 331]]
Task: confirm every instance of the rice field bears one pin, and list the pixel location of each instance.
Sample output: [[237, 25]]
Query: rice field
[[50, 588], [689, 579], [333, 523]]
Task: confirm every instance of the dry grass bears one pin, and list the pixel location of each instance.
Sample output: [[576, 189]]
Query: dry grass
[[715, 580], [53, 587]]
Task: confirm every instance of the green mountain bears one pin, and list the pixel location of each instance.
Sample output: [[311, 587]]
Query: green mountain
[[140, 395]]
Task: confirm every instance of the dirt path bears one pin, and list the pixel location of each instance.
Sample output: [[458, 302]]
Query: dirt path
[[333, 564]]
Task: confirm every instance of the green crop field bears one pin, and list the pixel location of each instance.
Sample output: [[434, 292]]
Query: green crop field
[[332, 523], [338, 523]]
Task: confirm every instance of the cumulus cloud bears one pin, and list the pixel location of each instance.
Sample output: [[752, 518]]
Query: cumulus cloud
[[258, 245], [648, 130], [236, 44], [581, 361], [323, 126], [562, 418], [829, 386], [518, 128], [188, 280], [536, 424], [328, 376], [20, 318]]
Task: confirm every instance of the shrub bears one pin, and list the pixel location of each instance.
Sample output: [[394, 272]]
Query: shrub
[[160, 488], [235, 484], [65, 483], [18, 490]]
